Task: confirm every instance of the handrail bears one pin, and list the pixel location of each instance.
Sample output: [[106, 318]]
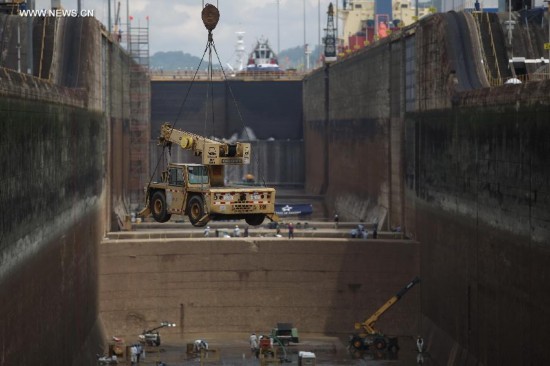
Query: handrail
[[527, 78], [188, 75], [493, 46], [482, 49]]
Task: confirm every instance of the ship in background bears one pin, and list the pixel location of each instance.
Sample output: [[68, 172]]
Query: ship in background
[[261, 63], [263, 59], [366, 21]]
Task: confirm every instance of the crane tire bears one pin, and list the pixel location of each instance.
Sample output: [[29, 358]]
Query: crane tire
[[357, 343], [195, 210], [379, 343], [159, 208], [255, 219]]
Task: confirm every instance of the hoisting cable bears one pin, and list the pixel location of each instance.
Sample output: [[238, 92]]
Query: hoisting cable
[[178, 115], [239, 113], [210, 16], [209, 88], [211, 83]]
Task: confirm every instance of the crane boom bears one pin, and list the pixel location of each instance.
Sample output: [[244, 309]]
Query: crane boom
[[213, 152], [199, 191], [368, 325]]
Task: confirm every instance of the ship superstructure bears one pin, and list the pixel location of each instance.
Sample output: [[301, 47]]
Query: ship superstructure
[[365, 21], [239, 52], [262, 58]]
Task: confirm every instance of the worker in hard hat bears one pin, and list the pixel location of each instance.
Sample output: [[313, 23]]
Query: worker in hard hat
[[207, 231], [236, 231]]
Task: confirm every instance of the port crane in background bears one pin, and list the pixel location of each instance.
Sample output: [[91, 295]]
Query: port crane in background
[[371, 337], [199, 191]]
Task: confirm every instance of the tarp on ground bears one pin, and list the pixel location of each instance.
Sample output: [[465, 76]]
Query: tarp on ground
[[299, 209]]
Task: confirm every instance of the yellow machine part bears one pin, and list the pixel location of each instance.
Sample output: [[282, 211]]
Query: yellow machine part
[[186, 142]]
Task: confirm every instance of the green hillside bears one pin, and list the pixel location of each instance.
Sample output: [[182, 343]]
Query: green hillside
[[178, 60]]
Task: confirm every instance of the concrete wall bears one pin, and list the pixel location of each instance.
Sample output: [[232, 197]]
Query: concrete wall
[[482, 199], [471, 178], [269, 108], [51, 203], [478, 198], [348, 131], [242, 285], [128, 107], [273, 162], [56, 152]]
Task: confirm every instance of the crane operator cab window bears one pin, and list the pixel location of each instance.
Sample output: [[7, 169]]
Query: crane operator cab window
[[175, 177], [198, 174]]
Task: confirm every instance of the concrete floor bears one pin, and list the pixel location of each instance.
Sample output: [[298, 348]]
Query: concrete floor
[[233, 349]]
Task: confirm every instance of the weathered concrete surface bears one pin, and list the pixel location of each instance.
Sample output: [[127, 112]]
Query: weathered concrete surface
[[128, 108], [49, 301], [481, 192], [51, 223], [473, 178], [346, 145], [55, 199], [269, 108], [241, 285]]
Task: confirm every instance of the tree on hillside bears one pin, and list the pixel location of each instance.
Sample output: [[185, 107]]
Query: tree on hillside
[[291, 58], [294, 58], [175, 60]]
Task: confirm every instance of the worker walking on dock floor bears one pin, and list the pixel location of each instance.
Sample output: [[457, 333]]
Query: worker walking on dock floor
[[253, 343], [290, 230], [420, 344], [133, 355], [336, 220]]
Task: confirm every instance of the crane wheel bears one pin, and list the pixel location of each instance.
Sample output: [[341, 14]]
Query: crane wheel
[[254, 220], [357, 343], [379, 344], [158, 207], [195, 210]]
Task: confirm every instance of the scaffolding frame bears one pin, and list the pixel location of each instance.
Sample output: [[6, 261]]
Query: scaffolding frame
[[140, 111]]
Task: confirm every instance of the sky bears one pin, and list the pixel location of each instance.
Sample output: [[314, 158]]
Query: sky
[[176, 25]]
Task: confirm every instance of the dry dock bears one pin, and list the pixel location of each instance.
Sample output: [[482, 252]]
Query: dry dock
[[236, 286]]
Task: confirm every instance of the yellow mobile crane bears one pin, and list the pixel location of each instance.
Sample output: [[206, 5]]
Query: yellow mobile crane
[[371, 336], [199, 191]]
